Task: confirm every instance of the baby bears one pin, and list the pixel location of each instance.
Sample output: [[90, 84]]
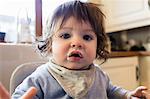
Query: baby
[[75, 38]]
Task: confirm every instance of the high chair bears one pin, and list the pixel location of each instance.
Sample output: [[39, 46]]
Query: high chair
[[21, 72]]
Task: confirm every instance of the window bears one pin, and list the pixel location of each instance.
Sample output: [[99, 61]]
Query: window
[[10, 13], [36, 11]]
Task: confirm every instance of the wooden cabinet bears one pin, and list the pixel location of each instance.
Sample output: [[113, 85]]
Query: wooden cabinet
[[125, 14], [144, 70], [122, 71]]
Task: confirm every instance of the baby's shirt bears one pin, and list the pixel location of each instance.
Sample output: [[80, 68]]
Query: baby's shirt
[[49, 88]]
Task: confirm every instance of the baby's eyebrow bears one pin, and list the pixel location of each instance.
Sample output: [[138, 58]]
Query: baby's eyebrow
[[63, 28], [66, 28], [91, 30], [83, 30]]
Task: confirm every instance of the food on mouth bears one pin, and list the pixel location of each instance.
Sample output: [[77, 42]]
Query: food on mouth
[[75, 54]]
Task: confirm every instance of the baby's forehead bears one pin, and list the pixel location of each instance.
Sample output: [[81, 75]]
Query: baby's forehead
[[72, 20], [75, 25]]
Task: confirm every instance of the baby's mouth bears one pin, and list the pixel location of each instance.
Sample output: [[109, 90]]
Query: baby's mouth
[[76, 54]]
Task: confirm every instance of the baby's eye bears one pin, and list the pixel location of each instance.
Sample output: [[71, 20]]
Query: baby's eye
[[87, 37], [65, 36]]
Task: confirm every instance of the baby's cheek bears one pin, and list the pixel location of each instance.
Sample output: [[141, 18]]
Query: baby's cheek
[[92, 54]]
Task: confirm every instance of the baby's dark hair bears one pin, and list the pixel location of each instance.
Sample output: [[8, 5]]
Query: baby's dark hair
[[83, 12]]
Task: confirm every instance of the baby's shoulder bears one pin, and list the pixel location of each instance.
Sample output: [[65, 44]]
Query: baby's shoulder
[[98, 68], [100, 71], [41, 75], [41, 70]]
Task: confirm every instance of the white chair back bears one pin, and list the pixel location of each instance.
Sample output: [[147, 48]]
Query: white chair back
[[21, 72]]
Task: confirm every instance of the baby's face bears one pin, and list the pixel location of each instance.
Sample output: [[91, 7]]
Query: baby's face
[[74, 45]]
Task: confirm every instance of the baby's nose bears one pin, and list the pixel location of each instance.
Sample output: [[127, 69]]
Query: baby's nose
[[76, 44]]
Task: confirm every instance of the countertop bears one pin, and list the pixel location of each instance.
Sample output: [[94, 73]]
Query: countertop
[[128, 53], [113, 54]]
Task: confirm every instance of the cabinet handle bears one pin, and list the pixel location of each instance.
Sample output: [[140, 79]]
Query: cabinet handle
[[137, 73]]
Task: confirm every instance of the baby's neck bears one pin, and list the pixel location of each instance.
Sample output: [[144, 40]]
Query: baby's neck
[[84, 68]]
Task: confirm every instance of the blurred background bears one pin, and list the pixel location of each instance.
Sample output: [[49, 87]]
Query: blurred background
[[127, 24]]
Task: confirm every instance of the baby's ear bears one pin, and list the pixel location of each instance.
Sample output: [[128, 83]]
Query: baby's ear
[[50, 51], [49, 48]]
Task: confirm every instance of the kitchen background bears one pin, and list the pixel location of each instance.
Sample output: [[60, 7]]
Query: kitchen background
[[127, 25], [125, 40]]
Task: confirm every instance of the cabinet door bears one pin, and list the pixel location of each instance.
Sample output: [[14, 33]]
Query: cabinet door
[[125, 14], [122, 71], [145, 70]]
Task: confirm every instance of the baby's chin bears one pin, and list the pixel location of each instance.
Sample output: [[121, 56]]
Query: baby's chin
[[72, 65], [76, 67]]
